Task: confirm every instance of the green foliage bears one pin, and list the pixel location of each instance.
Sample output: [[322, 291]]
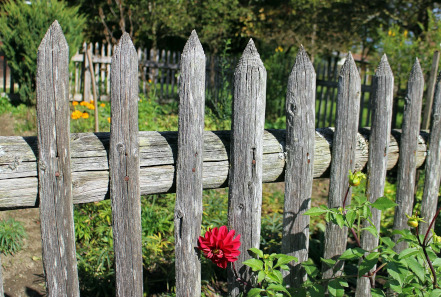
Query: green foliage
[[25, 119], [12, 234], [269, 278], [23, 26]]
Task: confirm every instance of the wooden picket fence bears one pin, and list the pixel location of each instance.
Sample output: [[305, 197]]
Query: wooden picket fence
[[56, 169]]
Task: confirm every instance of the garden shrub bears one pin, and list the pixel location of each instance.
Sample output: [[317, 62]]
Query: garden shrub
[[23, 26]]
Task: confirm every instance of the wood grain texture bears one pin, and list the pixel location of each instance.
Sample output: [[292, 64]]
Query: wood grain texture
[[54, 165], [188, 209], [300, 141], [433, 164], [158, 151], [245, 192], [124, 170], [382, 100], [343, 158], [407, 162]]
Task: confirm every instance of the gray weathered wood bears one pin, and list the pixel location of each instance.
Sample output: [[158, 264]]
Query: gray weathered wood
[[90, 176], [408, 146], [245, 182], [300, 136], [124, 170], [54, 172], [188, 209], [383, 90], [433, 164], [430, 91], [343, 157]]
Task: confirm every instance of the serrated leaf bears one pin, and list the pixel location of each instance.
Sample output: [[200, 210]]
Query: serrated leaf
[[417, 268], [437, 262], [317, 290], [278, 288], [368, 263], [395, 271], [351, 254], [275, 276], [254, 264], [335, 289], [315, 211], [310, 268], [387, 241], [285, 259], [329, 262], [435, 293], [383, 203], [257, 252], [372, 230], [284, 267], [377, 293], [254, 292], [261, 276], [338, 219], [350, 217], [408, 253]]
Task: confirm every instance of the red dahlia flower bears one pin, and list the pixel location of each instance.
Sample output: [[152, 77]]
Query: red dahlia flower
[[219, 246]]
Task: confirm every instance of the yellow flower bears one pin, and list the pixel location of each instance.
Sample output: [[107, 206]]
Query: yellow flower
[[389, 33], [76, 114], [91, 101], [108, 119], [279, 49], [91, 106], [75, 103], [150, 81], [103, 105], [405, 33], [83, 103], [85, 115]]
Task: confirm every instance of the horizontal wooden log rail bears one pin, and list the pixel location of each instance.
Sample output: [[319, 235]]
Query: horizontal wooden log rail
[[90, 172]]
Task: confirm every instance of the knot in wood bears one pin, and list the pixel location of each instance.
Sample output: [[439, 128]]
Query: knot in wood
[[120, 148], [241, 206], [179, 214], [42, 165]]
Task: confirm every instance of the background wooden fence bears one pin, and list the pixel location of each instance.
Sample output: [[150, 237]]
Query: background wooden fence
[[56, 169]]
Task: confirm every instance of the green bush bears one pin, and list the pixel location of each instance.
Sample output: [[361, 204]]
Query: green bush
[[12, 234], [23, 26]]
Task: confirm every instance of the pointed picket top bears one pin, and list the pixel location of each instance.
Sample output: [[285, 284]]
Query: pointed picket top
[[250, 56], [384, 67], [54, 35], [125, 45], [416, 73], [302, 61], [349, 66], [193, 43]]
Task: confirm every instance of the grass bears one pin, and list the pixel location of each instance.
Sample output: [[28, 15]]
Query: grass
[[12, 235]]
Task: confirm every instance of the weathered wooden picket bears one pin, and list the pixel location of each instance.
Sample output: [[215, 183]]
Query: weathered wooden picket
[[56, 169]]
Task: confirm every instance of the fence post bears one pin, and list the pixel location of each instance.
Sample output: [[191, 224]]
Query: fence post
[[188, 209], [86, 74], [300, 140], [433, 165], [54, 165], [408, 146], [379, 139], [343, 159], [124, 170], [245, 193], [425, 124]]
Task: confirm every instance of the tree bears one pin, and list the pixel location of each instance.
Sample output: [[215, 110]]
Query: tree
[[23, 26]]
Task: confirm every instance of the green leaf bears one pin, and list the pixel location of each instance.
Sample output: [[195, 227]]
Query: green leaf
[[255, 264], [408, 253], [396, 271], [387, 241], [285, 259], [377, 293], [350, 217], [317, 290], [368, 263], [257, 252], [335, 289], [351, 254], [278, 288], [310, 267], [435, 293], [261, 276], [329, 262], [372, 230], [254, 292], [437, 262], [275, 276], [417, 268], [315, 211], [383, 203]]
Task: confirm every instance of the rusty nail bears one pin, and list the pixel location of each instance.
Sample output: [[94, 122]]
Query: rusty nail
[[126, 178], [254, 162], [57, 174], [194, 169]]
